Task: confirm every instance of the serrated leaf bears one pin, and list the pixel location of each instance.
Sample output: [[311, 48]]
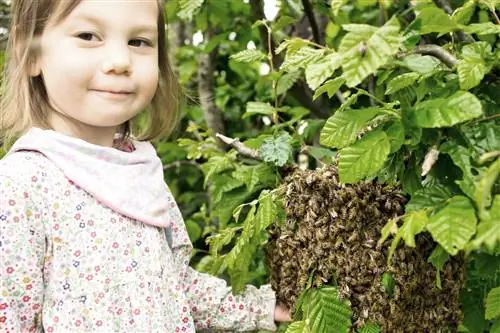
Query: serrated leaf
[[221, 184], [248, 56], [336, 5], [400, 82], [396, 134], [364, 52], [414, 223], [483, 188], [254, 108], [224, 237], [472, 67], [266, 213], [485, 28], [216, 165], [286, 81], [223, 210], [488, 230], [370, 328], [364, 158], [277, 150], [330, 87], [318, 72], [254, 175], [291, 45], [461, 157], [446, 112], [438, 258], [462, 15], [434, 19], [326, 313], [493, 304], [282, 22], [342, 128], [454, 225], [301, 58], [188, 7], [298, 327], [421, 64]]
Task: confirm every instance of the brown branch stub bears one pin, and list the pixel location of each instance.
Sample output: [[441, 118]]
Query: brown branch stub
[[436, 51], [239, 147]]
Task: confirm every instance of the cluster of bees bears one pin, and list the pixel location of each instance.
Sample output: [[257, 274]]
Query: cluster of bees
[[331, 237]]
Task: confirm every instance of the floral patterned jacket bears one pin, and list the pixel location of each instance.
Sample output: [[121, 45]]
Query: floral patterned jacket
[[70, 263]]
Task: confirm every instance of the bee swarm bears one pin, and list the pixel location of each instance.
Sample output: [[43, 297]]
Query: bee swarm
[[332, 233]]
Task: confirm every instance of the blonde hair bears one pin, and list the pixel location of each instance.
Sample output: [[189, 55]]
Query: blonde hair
[[24, 101]]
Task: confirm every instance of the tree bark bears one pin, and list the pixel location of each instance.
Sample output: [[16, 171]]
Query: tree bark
[[206, 67]]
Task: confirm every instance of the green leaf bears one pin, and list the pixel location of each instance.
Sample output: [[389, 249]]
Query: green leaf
[[493, 304], [496, 326], [336, 5], [266, 213], [248, 56], [298, 327], [454, 225], [421, 64], [194, 230], [254, 108], [342, 128], [216, 165], [370, 328], [446, 112], [438, 258], [224, 237], [221, 184], [318, 72], [291, 45], [301, 58], [488, 230], [330, 87], [364, 158], [326, 313], [365, 50], [277, 150], [483, 189], [462, 15], [461, 157], [400, 82], [414, 223], [253, 175], [396, 134], [188, 8], [388, 283], [490, 3], [429, 198], [485, 28], [287, 81], [390, 228], [433, 19], [472, 67]]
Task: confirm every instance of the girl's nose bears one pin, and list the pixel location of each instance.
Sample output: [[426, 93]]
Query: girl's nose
[[117, 61]]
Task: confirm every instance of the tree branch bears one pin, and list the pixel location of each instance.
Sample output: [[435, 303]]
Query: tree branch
[[312, 20], [239, 147], [436, 51]]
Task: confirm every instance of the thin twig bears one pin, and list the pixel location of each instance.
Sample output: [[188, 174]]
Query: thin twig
[[430, 49], [239, 147], [177, 164], [312, 20], [494, 116]]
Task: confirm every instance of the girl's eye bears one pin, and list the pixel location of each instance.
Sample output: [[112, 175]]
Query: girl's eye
[[87, 36], [139, 42]]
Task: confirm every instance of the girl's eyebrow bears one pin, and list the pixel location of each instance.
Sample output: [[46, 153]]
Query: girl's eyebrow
[[148, 28]]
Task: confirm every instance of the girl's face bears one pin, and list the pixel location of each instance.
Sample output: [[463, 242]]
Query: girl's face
[[100, 66]]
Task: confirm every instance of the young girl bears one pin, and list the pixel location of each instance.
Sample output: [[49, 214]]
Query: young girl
[[90, 237]]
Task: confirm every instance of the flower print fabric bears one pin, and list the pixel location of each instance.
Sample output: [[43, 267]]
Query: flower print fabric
[[69, 262]]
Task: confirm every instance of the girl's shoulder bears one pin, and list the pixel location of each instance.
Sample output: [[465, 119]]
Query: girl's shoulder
[[26, 167]]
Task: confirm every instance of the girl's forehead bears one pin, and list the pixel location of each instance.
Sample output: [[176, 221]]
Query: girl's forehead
[[68, 10]]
